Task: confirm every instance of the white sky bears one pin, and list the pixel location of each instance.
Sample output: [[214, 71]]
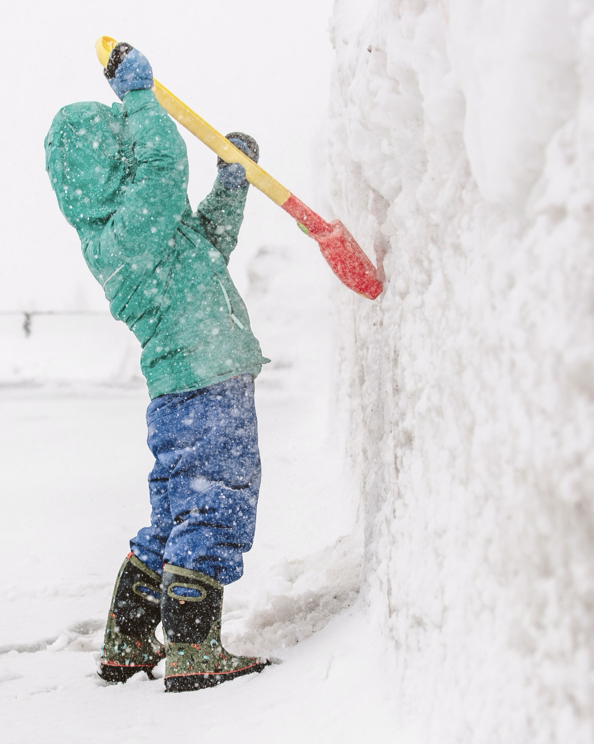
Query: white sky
[[261, 66]]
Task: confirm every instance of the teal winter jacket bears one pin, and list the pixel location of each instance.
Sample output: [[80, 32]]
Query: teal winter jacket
[[120, 175]]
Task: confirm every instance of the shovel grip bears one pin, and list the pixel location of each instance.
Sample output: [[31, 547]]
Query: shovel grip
[[207, 134]]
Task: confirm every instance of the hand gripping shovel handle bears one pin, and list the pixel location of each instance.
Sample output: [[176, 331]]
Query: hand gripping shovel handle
[[338, 247]]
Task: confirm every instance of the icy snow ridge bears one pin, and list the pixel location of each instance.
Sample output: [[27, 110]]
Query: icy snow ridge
[[461, 156]]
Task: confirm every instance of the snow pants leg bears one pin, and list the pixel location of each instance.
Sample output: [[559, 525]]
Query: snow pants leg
[[205, 482]]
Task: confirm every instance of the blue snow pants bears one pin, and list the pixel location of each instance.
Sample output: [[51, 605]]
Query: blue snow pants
[[205, 482]]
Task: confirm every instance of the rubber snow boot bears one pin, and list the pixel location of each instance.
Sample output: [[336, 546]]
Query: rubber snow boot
[[130, 644], [191, 608]]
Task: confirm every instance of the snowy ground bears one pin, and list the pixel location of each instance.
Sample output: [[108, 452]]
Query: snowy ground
[[75, 466], [80, 494]]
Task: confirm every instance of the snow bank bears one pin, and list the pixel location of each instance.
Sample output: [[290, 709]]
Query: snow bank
[[461, 155]]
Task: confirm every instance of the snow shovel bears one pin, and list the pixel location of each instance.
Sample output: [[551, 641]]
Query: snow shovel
[[339, 248]]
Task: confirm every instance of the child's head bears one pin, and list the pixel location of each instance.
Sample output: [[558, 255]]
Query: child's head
[[85, 162]]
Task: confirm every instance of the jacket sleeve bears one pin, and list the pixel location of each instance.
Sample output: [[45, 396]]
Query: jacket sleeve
[[153, 203], [220, 216]]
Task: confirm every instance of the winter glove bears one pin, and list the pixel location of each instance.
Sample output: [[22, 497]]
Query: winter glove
[[232, 175], [128, 69]]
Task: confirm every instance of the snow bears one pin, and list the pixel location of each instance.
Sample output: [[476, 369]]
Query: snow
[[423, 564], [43, 347], [460, 154]]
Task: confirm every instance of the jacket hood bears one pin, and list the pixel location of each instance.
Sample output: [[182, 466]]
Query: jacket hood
[[85, 162]]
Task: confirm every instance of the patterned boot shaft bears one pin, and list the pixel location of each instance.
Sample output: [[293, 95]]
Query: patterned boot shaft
[[129, 644], [195, 658]]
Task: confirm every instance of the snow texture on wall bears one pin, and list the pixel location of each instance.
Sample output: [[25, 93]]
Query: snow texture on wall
[[462, 158]]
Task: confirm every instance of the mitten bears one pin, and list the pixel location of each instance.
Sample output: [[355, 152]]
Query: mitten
[[128, 69], [232, 175]]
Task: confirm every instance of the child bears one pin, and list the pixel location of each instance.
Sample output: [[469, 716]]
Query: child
[[120, 175]]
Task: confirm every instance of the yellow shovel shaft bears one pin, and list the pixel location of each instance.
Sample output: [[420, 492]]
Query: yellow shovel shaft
[[205, 133]]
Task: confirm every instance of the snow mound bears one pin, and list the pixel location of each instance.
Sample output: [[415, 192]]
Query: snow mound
[[461, 157]]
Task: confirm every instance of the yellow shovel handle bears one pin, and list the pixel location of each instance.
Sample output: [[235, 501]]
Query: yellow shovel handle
[[205, 133]]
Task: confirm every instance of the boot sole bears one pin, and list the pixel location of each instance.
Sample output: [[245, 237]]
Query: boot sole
[[116, 674], [188, 682]]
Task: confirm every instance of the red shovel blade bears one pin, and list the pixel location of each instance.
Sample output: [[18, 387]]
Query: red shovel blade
[[339, 248], [348, 262]]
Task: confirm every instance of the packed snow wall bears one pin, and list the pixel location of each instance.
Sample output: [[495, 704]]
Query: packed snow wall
[[461, 155]]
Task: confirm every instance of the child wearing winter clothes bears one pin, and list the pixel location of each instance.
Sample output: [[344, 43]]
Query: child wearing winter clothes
[[120, 175]]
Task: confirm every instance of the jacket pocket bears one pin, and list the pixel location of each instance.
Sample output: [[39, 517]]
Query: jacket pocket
[[234, 319]]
